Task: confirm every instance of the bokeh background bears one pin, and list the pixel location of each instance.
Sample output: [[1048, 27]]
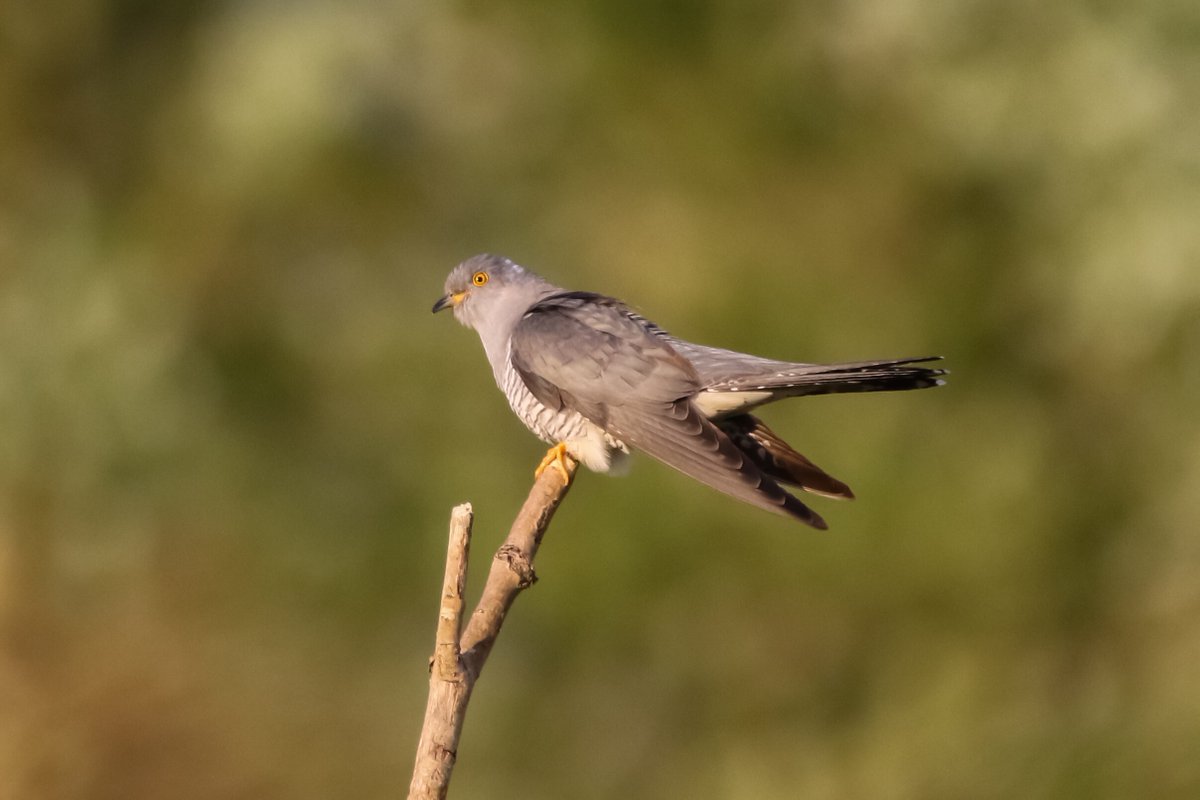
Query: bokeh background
[[231, 432]]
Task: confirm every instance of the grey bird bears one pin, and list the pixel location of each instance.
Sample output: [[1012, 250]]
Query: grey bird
[[594, 378]]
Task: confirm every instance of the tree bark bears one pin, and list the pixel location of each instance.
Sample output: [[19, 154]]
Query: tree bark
[[459, 655]]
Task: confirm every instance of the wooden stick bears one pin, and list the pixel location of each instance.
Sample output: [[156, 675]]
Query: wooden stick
[[458, 656]]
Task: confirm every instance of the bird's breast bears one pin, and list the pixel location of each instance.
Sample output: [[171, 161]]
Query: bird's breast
[[587, 442]]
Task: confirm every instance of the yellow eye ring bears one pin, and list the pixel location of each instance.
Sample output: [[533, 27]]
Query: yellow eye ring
[[479, 278]]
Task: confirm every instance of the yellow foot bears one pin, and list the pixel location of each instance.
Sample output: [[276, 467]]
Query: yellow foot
[[556, 457]]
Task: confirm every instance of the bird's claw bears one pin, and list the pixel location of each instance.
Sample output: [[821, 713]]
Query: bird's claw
[[556, 457]]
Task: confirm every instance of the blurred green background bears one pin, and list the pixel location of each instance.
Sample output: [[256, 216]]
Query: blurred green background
[[231, 432]]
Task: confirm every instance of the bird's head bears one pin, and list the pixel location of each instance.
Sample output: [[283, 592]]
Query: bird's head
[[489, 288]]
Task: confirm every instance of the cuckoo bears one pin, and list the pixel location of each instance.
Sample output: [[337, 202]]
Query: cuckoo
[[594, 378]]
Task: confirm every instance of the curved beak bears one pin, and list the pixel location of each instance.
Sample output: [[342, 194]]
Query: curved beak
[[447, 301]]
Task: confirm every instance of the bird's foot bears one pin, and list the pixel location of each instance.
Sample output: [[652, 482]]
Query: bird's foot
[[556, 457]]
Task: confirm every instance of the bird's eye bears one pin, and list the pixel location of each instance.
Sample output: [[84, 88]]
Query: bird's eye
[[479, 278]]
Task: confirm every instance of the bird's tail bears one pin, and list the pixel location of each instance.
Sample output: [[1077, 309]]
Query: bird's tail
[[777, 459], [859, 376]]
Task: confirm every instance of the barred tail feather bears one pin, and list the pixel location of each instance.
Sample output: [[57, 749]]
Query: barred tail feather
[[777, 459]]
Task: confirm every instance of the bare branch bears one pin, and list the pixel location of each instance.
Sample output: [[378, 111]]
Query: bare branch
[[446, 650], [459, 658]]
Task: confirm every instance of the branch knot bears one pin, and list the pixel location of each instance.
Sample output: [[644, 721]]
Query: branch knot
[[519, 563]]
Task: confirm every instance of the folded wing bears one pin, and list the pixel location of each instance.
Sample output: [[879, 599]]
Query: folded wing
[[589, 353]]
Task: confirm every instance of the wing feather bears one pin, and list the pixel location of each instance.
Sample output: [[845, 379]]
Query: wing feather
[[681, 437], [591, 354]]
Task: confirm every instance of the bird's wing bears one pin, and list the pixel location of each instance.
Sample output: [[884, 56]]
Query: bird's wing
[[588, 353]]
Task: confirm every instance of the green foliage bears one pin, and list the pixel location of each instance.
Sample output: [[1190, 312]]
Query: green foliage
[[233, 432]]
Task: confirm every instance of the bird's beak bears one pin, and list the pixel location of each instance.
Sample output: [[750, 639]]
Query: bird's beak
[[452, 299]]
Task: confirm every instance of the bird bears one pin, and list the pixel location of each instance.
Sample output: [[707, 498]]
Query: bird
[[594, 378]]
